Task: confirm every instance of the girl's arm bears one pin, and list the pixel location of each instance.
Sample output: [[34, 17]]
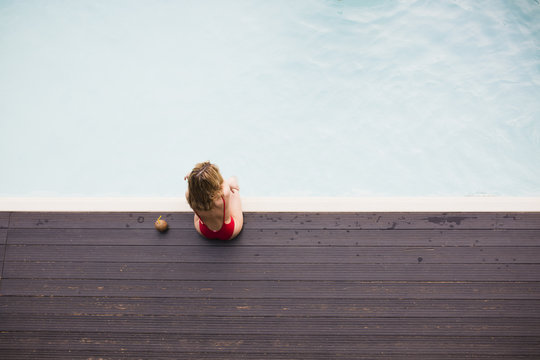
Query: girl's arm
[[233, 183]]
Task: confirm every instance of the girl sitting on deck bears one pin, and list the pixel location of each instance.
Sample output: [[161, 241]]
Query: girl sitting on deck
[[216, 203]]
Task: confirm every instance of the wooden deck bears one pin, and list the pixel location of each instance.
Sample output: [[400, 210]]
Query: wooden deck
[[292, 286]]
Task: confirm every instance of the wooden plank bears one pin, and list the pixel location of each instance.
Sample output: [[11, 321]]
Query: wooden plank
[[176, 237], [264, 220], [286, 343], [2, 256], [100, 220], [290, 254], [3, 240], [277, 237], [265, 271], [335, 308], [273, 325], [222, 355], [283, 220], [529, 220], [388, 221], [4, 219], [272, 289]]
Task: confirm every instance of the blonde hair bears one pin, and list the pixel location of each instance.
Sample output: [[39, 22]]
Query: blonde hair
[[204, 184]]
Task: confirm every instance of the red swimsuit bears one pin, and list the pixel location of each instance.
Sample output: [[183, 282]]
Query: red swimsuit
[[224, 233]]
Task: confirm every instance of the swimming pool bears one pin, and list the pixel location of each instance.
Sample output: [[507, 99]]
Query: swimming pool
[[298, 99]]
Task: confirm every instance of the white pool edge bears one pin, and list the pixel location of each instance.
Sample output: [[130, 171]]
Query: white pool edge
[[280, 204]]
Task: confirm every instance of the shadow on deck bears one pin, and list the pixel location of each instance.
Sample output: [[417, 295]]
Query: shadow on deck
[[292, 286]]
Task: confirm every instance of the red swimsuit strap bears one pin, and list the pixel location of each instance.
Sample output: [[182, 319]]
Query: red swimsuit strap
[[224, 207]]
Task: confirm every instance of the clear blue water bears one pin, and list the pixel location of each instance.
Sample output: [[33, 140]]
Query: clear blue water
[[297, 98]]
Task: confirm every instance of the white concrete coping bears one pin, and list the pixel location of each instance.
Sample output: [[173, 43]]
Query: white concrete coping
[[281, 204]]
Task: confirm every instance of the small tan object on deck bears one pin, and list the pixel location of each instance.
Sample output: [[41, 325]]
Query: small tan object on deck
[[161, 225]]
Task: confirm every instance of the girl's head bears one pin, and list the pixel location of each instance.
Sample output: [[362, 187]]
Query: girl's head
[[204, 183]]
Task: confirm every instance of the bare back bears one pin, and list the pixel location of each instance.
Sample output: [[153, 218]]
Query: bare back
[[213, 218]]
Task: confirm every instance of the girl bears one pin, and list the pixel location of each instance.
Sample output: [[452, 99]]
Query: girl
[[216, 203]]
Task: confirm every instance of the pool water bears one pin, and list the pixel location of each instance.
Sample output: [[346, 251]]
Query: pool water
[[296, 98]]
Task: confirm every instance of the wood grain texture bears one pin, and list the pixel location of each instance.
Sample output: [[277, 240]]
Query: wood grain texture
[[3, 236], [19, 354], [272, 289], [269, 271], [276, 237], [238, 307], [306, 345], [283, 255], [284, 220], [292, 286], [307, 325], [293, 220], [4, 219]]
